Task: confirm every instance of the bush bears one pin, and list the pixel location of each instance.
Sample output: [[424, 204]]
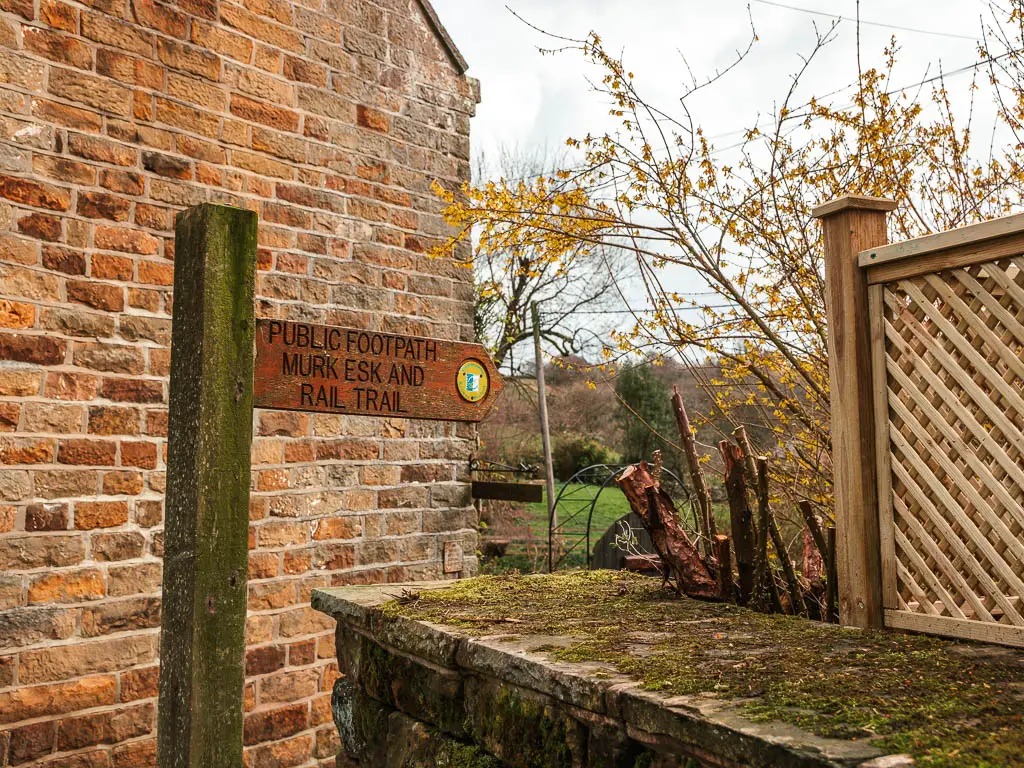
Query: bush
[[571, 453]]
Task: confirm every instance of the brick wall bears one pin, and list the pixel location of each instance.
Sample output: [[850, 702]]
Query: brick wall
[[328, 117]]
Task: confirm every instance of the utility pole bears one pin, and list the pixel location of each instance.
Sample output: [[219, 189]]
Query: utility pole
[[545, 434]]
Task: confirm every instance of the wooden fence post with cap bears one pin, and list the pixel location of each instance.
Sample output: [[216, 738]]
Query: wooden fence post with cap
[[850, 225], [202, 635]]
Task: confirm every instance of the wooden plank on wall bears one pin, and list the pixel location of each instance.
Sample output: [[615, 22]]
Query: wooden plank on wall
[[528, 492]]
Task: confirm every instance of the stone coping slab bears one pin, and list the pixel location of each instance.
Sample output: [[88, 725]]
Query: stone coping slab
[[706, 728]]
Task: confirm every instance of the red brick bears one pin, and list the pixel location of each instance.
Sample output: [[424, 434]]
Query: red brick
[[221, 41], [283, 754], [156, 273], [34, 193], [95, 148], [122, 483], [16, 314], [64, 169], [122, 181], [31, 742], [267, 114], [106, 266], [45, 700], [89, 452], [90, 515], [9, 413], [58, 47], [26, 451], [252, 25], [104, 420], [41, 227], [68, 116], [58, 15], [121, 616], [111, 31], [188, 58], [23, 8], [167, 165], [65, 260], [66, 587], [105, 727], [41, 350], [139, 683], [138, 754], [125, 240], [143, 578], [371, 118], [90, 90], [133, 390], [153, 216], [264, 659], [274, 724], [71, 386], [100, 205], [46, 517], [138, 454], [159, 17], [96, 295]]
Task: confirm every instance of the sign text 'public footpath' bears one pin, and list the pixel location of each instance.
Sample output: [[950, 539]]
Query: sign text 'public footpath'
[[327, 369]]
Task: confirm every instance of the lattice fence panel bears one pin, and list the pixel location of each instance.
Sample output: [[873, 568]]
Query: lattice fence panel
[[954, 344]]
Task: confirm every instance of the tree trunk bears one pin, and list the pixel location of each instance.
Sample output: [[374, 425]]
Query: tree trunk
[[741, 519], [654, 507]]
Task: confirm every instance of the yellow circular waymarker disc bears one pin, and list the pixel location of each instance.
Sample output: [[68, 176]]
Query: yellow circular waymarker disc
[[472, 381]]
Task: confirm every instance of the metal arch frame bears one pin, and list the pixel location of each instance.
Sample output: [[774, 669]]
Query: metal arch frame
[[612, 471]]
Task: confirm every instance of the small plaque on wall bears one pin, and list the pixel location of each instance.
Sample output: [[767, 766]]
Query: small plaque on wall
[[452, 557]]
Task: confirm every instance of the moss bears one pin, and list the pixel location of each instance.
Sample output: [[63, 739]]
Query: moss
[[453, 754], [947, 703], [521, 731]]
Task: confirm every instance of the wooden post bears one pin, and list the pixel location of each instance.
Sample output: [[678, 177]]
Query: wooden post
[[545, 436], [202, 635], [851, 225], [700, 483]]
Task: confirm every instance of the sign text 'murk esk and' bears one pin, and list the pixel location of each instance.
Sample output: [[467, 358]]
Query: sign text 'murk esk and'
[[323, 368]]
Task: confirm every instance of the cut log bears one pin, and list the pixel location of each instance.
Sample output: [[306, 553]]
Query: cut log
[[693, 576], [741, 519], [814, 527], [811, 562]]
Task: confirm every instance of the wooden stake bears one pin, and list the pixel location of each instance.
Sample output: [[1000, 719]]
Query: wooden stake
[[851, 225], [795, 595], [700, 483], [832, 585], [202, 634], [741, 519], [724, 559], [545, 436]]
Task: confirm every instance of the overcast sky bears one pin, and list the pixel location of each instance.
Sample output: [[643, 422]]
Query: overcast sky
[[535, 101], [532, 99]]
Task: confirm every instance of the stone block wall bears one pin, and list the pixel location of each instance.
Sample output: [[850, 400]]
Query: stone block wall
[[329, 118]]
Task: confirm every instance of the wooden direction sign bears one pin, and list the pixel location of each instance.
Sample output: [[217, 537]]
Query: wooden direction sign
[[327, 369]]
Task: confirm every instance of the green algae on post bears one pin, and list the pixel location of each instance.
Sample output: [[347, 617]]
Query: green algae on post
[[947, 703]]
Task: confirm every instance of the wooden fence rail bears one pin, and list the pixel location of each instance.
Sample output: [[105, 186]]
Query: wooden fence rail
[[938, 446]]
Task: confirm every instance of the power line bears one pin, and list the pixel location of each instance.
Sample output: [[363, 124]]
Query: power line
[[866, 23], [649, 311]]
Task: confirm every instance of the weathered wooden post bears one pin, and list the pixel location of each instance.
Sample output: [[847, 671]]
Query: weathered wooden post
[[850, 225], [202, 637]]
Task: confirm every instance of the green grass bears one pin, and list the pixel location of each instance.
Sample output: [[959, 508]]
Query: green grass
[[573, 511]]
